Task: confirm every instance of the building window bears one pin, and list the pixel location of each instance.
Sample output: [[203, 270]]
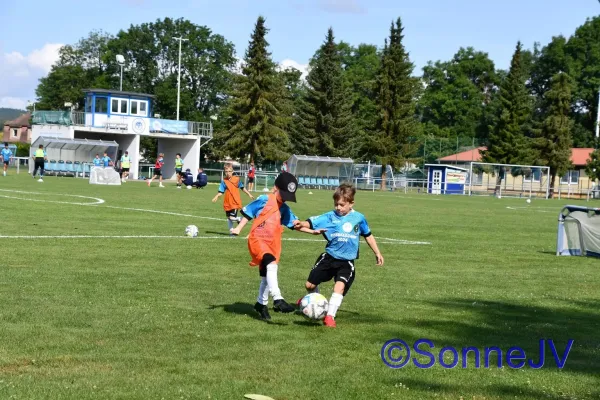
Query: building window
[[118, 106], [101, 106], [535, 174], [138, 107], [88, 104], [15, 133], [570, 178]]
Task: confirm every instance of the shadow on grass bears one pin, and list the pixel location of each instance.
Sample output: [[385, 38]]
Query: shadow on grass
[[243, 309], [474, 322], [502, 391], [218, 233]]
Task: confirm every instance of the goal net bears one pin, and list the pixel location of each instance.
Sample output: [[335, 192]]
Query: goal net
[[578, 232], [104, 176], [508, 180]]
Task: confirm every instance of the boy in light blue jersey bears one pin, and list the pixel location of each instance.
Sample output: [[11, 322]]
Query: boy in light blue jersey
[[343, 228], [106, 160], [6, 155], [97, 161]]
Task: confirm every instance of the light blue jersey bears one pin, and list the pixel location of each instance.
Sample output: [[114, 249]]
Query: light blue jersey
[[106, 160], [97, 162], [254, 209], [343, 233], [6, 154]]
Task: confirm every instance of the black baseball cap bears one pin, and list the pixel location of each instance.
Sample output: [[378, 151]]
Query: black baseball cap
[[287, 185]]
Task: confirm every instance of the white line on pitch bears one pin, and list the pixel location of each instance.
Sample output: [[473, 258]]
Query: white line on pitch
[[160, 212], [394, 241]]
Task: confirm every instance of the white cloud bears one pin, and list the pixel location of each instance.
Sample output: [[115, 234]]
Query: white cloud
[[20, 74], [13, 102], [342, 6], [294, 64]]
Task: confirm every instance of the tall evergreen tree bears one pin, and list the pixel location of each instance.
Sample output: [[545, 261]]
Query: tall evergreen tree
[[390, 142], [507, 143], [553, 141], [326, 110], [259, 105]]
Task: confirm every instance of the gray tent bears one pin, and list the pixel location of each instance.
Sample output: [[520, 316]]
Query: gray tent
[[578, 232]]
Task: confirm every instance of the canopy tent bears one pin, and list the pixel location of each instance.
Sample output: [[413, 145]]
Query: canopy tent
[[81, 150], [317, 171]]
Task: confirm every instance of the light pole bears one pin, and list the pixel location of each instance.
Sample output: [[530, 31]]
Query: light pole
[[121, 62], [181, 39]]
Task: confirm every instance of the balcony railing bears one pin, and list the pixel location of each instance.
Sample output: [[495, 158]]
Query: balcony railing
[[165, 126]]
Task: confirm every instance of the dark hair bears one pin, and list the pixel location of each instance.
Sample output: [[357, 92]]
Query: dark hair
[[178, 154], [41, 146], [345, 191], [6, 144]]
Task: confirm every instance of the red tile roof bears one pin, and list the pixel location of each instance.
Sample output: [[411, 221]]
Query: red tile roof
[[20, 121], [579, 157]]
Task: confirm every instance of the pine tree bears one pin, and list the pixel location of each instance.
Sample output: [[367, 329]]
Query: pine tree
[[507, 143], [553, 141], [258, 107], [325, 112], [390, 142]]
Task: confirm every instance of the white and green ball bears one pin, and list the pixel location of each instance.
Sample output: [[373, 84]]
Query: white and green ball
[[191, 231], [314, 306]]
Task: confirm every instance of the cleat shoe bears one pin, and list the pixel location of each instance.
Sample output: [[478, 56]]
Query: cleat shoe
[[263, 311], [329, 321], [282, 307]]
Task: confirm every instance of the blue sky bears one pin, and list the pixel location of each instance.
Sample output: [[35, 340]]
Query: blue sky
[[33, 31]]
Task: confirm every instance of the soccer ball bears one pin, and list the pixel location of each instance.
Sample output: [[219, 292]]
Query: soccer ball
[[528, 201], [191, 231], [314, 306]]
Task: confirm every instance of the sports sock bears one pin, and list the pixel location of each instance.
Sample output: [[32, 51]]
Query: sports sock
[[334, 303], [263, 292], [230, 223], [272, 281]]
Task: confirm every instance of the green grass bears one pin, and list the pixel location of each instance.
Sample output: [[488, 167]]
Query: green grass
[[172, 318]]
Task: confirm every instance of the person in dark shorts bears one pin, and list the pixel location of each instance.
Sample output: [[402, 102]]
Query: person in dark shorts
[[251, 176], [230, 187], [160, 161], [343, 227], [39, 157], [6, 155]]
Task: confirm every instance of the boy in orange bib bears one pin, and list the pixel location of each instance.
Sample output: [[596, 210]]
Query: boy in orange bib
[[270, 214], [230, 187]]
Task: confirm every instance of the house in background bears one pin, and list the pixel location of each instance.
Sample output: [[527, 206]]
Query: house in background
[[18, 130], [574, 181]]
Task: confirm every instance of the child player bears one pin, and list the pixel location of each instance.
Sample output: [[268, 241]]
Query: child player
[[230, 186], [344, 226], [264, 241]]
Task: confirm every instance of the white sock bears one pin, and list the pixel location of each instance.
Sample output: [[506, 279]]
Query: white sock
[[334, 303], [263, 292], [272, 281], [230, 223]]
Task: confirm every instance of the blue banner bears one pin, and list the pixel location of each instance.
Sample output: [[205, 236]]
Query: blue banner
[[168, 126]]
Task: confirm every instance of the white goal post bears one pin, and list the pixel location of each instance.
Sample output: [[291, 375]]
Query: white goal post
[[508, 180]]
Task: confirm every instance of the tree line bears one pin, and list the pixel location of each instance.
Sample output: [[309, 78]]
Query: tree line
[[362, 102]]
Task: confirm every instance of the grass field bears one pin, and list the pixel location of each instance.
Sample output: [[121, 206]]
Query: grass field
[[171, 317]]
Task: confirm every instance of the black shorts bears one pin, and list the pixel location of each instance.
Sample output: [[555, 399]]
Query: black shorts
[[266, 260], [231, 214], [157, 172], [327, 267], [178, 171], [250, 180], [5, 162], [39, 164], [125, 169]]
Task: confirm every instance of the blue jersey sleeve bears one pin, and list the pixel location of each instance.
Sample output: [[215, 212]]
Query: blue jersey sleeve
[[364, 227], [240, 184], [222, 187], [254, 208], [287, 216], [319, 222]]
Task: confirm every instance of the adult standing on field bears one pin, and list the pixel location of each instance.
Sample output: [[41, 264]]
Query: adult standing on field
[[125, 165], [39, 157]]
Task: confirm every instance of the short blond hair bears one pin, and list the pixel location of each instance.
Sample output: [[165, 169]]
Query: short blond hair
[[228, 166]]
